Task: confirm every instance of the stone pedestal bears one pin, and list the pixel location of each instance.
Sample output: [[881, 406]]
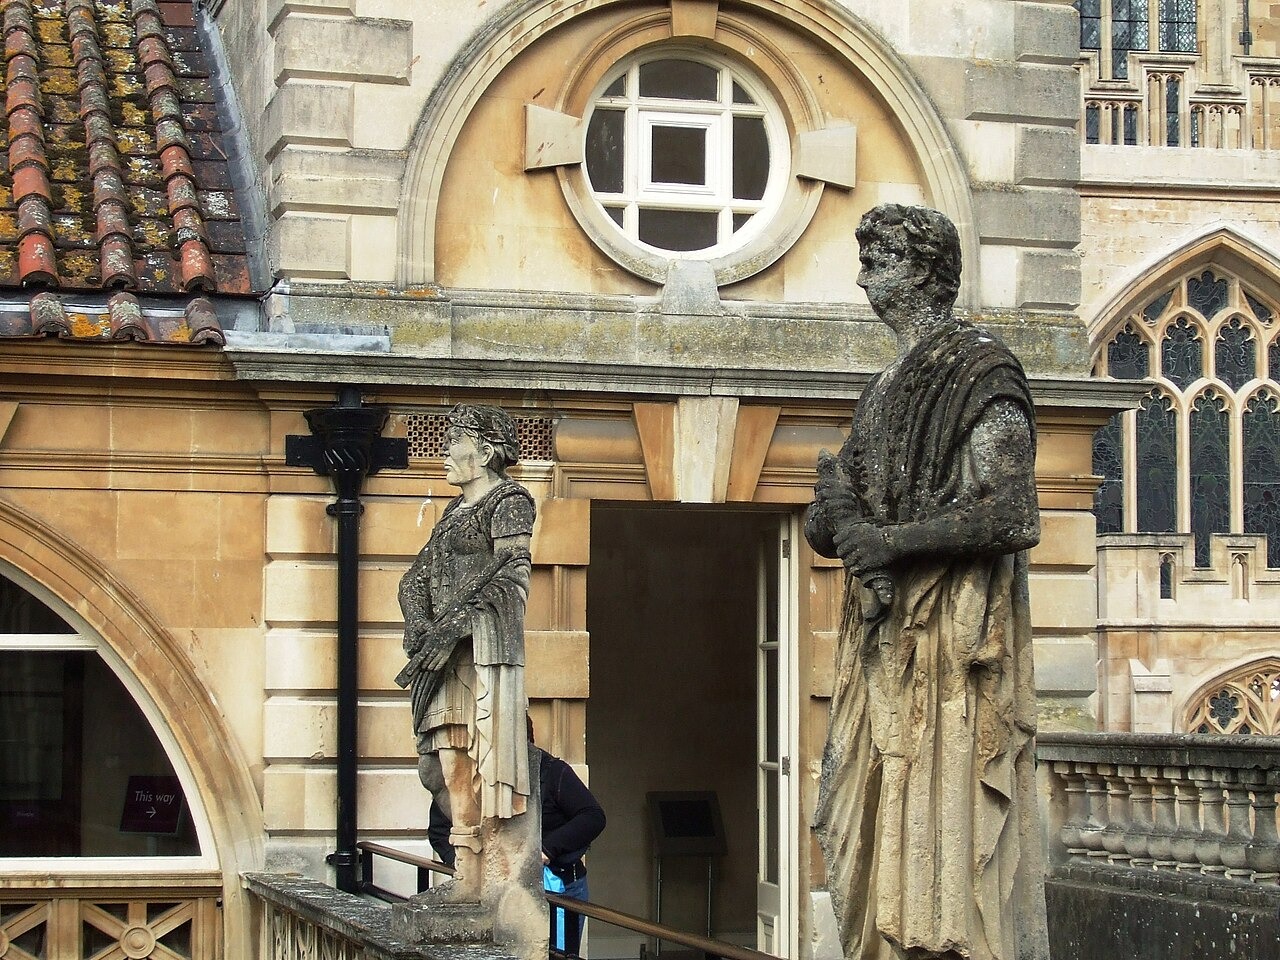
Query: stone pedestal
[[511, 911]]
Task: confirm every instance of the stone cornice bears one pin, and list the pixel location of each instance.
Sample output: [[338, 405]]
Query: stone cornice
[[525, 376]]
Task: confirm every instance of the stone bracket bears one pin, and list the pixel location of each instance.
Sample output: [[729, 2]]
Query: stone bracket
[[829, 155], [551, 138]]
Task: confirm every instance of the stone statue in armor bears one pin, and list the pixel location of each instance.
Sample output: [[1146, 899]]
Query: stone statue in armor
[[463, 601]]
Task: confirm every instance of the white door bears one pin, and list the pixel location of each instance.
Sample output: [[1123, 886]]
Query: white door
[[776, 742]]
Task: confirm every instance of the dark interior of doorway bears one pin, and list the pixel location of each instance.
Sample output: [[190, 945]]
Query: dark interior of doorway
[[671, 609]]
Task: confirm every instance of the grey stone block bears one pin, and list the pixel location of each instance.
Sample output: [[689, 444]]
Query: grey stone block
[[1023, 92], [1047, 156], [1049, 279], [1046, 33], [1034, 217], [1066, 667]]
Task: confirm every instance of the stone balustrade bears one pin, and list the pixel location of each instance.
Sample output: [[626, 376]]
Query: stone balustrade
[[1189, 803]]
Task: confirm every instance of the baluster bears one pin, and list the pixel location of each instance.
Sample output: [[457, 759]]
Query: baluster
[[1238, 829], [1137, 839], [1163, 819], [1073, 787], [1188, 830], [1214, 824], [1263, 853], [1095, 810], [1113, 835]]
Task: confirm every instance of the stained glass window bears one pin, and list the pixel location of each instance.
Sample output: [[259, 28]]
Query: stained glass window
[[1108, 463], [1246, 701], [1214, 420], [1235, 355], [1157, 438], [1260, 432], [1178, 26], [1207, 293], [1127, 356], [1260, 309], [1151, 313], [1182, 353], [1210, 435]]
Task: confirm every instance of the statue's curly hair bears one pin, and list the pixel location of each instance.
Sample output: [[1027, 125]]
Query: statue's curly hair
[[925, 236], [494, 426]]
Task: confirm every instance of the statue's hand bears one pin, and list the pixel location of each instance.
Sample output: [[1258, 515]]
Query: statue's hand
[[834, 483], [412, 642], [864, 547]]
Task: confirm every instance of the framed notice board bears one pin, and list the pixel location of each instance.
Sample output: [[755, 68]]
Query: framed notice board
[[686, 823]]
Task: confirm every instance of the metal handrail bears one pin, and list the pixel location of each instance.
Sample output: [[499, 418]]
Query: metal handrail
[[627, 921]]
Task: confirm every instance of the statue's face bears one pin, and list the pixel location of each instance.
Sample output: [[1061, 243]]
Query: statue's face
[[886, 274], [466, 458]]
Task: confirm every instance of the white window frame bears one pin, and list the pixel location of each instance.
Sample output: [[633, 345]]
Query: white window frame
[[642, 114]]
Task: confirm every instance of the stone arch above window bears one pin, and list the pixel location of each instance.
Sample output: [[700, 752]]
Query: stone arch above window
[[431, 218], [1245, 701], [1195, 457]]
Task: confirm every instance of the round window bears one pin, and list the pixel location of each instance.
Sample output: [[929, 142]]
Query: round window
[[688, 158]]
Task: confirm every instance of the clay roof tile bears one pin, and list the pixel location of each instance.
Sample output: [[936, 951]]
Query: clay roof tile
[[48, 315], [127, 319], [120, 92]]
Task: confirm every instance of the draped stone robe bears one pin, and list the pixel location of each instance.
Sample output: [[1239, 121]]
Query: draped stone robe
[[927, 811], [459, 584]]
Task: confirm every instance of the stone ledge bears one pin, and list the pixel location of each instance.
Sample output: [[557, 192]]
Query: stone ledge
[[1170, 883], [353, 918]]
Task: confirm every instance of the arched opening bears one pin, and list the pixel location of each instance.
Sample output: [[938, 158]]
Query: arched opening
[[83, 773], [1243, 701]]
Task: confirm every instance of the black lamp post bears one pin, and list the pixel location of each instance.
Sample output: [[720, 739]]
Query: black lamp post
[[346, 444]]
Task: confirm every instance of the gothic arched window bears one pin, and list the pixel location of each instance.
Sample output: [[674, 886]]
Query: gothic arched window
[[1246, 701], [1206, 441]]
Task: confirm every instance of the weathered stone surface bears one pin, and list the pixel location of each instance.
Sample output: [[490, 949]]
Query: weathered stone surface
[[463, 601], [933, 700], [312, 113], [1047, 156], [1022, 92], [1043, 217], [370, 51]]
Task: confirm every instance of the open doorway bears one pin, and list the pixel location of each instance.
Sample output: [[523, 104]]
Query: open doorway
[[684, 697]]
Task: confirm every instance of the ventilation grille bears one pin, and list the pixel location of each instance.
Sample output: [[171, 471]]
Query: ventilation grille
[[426, 433]]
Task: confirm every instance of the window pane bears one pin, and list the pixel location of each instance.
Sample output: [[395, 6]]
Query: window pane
[[1260, 309], [1178, 26], [678, 229], [1235, 354], [81, 771], [1127, 356], [740, 220], [740, 95], [1157, 481], [618, 88], [750, 158], [679, 155], [1153, 310], [1207, 293], [1107, 463], [1172, 112], [1182, 353], [615, 214], [605, 150], [1210, 483], [1092, 118], [20, 612], [1261, 434], [679, 80]]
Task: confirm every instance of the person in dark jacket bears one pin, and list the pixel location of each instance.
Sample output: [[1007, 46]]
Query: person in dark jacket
[[571, 819]]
